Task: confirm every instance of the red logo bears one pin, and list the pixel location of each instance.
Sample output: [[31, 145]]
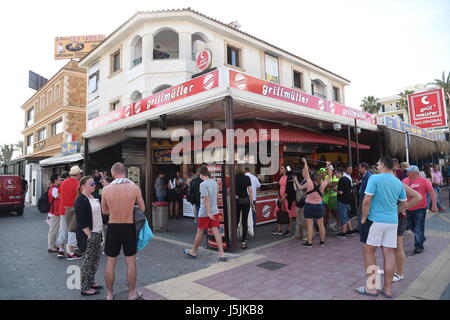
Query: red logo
[[10, 185], [427, 109], [204, 59]]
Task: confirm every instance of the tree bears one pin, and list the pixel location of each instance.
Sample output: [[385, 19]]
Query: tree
[[444, 83], [403, 103], [19, 146], [6, 152], [370, 104]]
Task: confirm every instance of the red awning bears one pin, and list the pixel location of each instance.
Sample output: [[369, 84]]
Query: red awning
[[286, 134]]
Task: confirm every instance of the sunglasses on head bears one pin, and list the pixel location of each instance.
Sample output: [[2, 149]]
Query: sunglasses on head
[[92, 184]]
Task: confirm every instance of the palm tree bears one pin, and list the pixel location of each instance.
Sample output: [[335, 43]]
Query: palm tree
[[444, 83], [6, 152], [370, 104], [19, 146], [403, 102]]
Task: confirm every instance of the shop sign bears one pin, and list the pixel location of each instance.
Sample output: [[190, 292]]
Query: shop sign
[[397, 124], [70, 147], [204, 60], [162, 155], [427, 109], [268, 89], [76, 47], [181, 91]]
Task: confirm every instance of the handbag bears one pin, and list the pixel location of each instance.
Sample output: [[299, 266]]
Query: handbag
[[71, 220], [145, 235], [282, 217], [243, 201]]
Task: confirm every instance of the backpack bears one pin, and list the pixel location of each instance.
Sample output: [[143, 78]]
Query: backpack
[[43, 204], [193, 193]]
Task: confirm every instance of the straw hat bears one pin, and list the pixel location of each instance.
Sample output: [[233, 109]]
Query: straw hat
[[75, 170]]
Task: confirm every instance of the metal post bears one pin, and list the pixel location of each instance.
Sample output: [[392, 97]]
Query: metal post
[[349, 146], [357, 143], [407, 146], [229, 121], [149, 176], [86, 155]]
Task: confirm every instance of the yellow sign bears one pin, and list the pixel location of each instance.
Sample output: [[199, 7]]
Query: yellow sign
[[76, 47]]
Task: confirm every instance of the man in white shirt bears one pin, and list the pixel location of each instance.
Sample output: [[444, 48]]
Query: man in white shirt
[[255, 185], [347, 174]]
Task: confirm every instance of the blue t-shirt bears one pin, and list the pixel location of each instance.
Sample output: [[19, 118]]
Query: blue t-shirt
[[387, 191]]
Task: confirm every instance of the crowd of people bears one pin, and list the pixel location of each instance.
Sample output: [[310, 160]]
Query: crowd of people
[[89, 212]]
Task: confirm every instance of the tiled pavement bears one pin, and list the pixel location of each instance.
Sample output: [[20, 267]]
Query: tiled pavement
[[319, 273]]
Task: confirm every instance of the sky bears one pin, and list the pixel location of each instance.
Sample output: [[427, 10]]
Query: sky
[[380, 46]]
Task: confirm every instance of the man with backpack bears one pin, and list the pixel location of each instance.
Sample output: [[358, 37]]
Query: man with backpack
[[193, 195]]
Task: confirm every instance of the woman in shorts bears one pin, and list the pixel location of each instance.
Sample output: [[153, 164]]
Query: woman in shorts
[[314, 209]]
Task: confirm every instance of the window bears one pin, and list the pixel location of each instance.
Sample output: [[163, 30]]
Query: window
[[136, 51], [233, 56], [271, 68], [57, 128], [397, 104], [115, 62], [30, 116], [93, 114], [298, 79], [93, 82], [114, 105], [336, 94], [30, 140], [166, 45], [42, 134]]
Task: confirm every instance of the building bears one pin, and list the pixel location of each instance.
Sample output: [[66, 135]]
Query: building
[[161, 71], [55, 114]]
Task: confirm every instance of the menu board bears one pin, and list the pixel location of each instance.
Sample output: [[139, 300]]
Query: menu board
[[134, 175], [218, 174]]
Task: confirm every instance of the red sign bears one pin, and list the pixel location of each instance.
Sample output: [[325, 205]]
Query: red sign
[[204, 59], [272, 90], [427, 109], [181, 91], [10, 185]]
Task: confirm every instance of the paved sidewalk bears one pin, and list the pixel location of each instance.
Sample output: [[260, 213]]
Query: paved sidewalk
[[320, 273]]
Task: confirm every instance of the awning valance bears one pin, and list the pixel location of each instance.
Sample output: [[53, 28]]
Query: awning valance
[[287, 134], [61, 159]]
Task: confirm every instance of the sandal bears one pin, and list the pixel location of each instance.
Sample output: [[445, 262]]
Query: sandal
[[362, 291], [186, 252], [385, 294], [89, 294]]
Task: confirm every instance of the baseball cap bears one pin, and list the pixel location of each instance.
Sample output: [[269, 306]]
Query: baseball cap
[[413, 169]]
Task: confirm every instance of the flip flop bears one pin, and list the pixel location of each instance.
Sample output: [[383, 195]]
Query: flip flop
[[385, 294], [139, 297], [223, 259], [106, 297], [362, 291], [186, 252]]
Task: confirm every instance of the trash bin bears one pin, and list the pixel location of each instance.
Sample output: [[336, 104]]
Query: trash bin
[[160, 216]]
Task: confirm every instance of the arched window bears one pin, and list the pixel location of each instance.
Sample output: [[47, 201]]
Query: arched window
[[166, 45], [319, 88], [136, 51], [135, 96], [199, 42], [161, 88]]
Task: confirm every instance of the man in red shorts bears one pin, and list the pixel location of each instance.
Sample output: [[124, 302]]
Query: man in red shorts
[[208, 214]]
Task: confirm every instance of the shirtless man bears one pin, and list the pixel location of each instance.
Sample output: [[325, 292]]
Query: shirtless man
[[118, 200]]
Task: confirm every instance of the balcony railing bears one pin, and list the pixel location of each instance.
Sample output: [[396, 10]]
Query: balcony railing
[[162, 55], [320, 95], [137, 61]]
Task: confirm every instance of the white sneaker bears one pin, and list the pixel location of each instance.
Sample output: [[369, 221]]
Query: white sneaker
[[408, 232], [397, 278]]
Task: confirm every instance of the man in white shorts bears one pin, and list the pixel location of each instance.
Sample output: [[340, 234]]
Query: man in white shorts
[[384, 198]]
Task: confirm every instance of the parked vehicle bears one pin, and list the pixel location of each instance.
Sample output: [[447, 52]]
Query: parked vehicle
[[12, 197]]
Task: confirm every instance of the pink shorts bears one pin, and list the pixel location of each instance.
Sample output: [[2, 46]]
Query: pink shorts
[[206, 222]]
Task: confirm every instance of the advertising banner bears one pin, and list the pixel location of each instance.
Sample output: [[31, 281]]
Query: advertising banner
[[427, 109], [181, 91], [70, 147], [76, 47], [247, 83]]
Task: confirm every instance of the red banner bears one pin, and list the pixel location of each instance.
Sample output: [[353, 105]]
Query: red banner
[[427, 109], [272, 90], [181, 91]]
